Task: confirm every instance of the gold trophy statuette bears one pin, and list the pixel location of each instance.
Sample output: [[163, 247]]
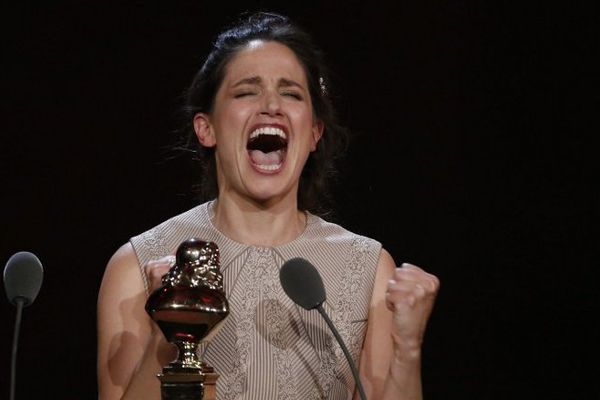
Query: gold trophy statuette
[[190, 307]]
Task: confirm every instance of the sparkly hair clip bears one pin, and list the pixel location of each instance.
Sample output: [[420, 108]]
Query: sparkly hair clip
[[322, 85]]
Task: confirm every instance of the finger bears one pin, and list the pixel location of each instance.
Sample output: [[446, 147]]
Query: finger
[[405, 292], [156, 269], [167, 260], [156, 274], [412, 273], [170, 259]]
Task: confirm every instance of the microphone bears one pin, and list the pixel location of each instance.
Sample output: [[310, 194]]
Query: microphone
[[23, 276], [303, 284]]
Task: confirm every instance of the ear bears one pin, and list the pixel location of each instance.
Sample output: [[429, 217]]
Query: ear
[[203, 130], [317, 133]]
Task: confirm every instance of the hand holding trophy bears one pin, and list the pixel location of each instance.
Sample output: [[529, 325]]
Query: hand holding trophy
[[190, 307]]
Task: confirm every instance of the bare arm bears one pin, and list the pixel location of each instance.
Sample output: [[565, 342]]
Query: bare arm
[[402, 301], [131, 349]]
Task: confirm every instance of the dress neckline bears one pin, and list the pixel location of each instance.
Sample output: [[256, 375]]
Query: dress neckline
[[209, 214]]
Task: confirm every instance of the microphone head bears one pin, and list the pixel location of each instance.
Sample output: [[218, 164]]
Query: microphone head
[[23, 276], [302, 283]]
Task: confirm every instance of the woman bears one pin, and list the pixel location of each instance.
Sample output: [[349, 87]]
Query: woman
[[259, 111]]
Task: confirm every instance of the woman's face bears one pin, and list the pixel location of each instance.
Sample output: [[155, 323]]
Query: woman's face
[[261, 125]]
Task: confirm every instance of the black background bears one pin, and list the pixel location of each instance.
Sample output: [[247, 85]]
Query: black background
[[472, 158]]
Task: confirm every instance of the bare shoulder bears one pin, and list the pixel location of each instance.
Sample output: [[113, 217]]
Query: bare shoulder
[[123, 326], [122, 272], [123, 258], [385, 271], [375, 356], [122, 281]]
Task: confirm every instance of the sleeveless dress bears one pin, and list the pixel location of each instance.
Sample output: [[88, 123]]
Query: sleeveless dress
[[268, 347]]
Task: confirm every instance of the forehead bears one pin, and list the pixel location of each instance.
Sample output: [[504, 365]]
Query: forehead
[[267, 60]]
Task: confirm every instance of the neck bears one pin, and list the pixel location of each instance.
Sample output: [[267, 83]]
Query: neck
[[258, 224]]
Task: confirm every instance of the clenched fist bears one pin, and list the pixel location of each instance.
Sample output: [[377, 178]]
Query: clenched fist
[[156, 269], [410, 295]]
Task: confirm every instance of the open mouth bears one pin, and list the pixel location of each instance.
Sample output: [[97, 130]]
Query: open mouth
[[267, 147]]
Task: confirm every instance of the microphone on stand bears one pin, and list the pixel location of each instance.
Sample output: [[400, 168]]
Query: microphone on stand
[[303, 284], [23, 276]]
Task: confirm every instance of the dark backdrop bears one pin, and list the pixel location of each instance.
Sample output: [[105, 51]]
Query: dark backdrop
[[471, 158]]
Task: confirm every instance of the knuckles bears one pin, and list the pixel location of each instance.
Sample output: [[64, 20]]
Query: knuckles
[[411, 285], [156, 269], [411, 273]]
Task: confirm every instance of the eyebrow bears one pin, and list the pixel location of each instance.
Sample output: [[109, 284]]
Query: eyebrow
[[286, 82], [253, 80], [256, 80]]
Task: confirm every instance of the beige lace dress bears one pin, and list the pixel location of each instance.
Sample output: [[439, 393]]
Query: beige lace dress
[[270, 348]]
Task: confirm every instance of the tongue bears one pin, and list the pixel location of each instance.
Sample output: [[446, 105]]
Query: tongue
[[260, 158]]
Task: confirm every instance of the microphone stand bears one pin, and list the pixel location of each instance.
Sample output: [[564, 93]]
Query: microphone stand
[[19, 303], [361, 391]]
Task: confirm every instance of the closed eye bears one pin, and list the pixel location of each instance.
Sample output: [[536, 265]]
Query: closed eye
[[294, 95], [243, 94]]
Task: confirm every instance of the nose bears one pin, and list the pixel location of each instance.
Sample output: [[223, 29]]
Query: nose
[[271, 104]]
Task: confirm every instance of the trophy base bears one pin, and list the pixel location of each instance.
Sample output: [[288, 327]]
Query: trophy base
[[188, 385]]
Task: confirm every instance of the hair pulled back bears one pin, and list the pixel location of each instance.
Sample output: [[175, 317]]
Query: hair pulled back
[[314, 192]]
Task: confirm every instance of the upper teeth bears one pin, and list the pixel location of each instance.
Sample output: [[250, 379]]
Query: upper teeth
[[268, 130]]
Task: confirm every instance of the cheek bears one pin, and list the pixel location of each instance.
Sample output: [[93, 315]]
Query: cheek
[[230, 122], [302, 116], [305, 123]]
